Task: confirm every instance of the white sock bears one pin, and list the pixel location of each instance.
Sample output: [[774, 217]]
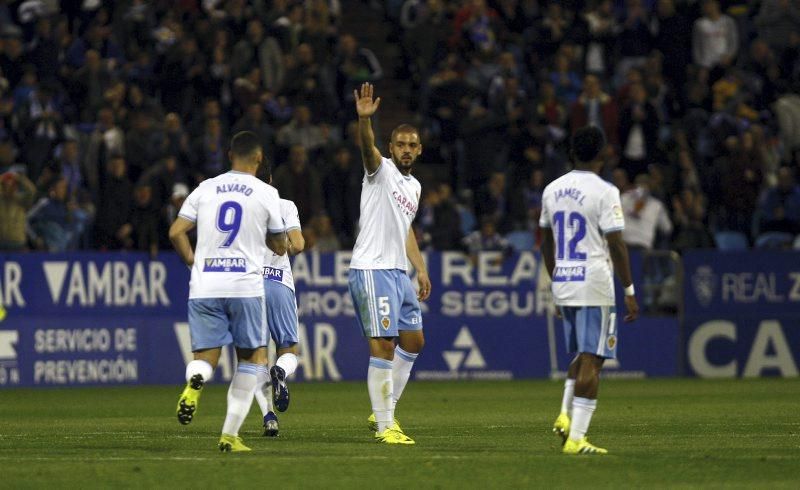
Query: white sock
[[263, 393], [287, 362], [201, 367], [582, 410], [566, 400], [240, 396], [401, 371], [379, 384]]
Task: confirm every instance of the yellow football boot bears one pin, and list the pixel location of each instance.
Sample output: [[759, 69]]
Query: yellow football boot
[[582, 447], [232, 444]]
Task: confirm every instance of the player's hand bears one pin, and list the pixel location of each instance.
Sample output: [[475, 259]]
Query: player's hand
[[424, 286], [365, 105], [632, 308]]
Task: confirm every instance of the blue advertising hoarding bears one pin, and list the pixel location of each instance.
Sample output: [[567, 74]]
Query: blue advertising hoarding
[[112, 318], [742, 313]]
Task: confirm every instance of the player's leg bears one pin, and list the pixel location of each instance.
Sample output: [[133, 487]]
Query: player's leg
[[282, 321], [372, 296], [263, 394], [411, 340], [249, 330], [596, 344], [208, 327], [562, 423]]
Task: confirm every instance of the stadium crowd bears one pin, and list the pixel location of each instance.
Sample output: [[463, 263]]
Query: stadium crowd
[[112, 112]]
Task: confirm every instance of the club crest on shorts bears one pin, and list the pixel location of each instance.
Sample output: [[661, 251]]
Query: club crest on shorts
[[385, 322], [611, 342]]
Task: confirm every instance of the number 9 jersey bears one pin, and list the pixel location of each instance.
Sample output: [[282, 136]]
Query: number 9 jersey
[[581, 208], [233, 212]]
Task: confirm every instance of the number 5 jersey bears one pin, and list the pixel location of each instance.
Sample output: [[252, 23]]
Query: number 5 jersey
[[581, 208]]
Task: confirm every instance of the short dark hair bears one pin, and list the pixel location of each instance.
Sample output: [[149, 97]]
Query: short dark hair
[[244, 144], [404, 128], [587, 143]]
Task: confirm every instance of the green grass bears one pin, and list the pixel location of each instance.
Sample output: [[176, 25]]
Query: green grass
[[661, 433]]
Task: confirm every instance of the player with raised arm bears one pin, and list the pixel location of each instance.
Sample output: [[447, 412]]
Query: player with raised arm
[[582, 225], [237, 217], [387, 308], [281, 307]]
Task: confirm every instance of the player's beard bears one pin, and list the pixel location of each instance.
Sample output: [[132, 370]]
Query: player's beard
[[404, 166]]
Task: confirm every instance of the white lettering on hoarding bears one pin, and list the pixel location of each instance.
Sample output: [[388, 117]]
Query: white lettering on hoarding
[[770, 350]]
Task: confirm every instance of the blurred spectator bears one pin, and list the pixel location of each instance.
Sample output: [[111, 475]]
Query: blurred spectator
[[486, 239], [57, 224], [307, 82], [141, 232], [777, 21], [779, 209], [673, 37], [740, 183], [264, 52], [602, 29], [439, 219], [326, 236], [492, 201], [208, 151], [690, 229], [566, 82], [299, 182], [114, 209], [715, 39], [16, 197], [141, 145], [353, 65], [595, 108], [254, 120], [342, 187], [301, 131], [638, 132], [644, 215], [526, 205]]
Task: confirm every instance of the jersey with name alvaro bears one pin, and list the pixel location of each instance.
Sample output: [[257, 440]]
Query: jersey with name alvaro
[[233, 211], [389, 203], [581, 208], [277, 267]]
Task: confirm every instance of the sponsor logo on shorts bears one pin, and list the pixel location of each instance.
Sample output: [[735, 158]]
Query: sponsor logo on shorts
[[385, 322], [233, 264], [272, 274], [611, 342], [575, 273]]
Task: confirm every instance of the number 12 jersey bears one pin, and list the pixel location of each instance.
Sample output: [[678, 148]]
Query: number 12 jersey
[[581, 208], [233, 212]]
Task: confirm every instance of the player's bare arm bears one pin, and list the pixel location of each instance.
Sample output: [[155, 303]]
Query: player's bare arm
[[415, 256], [278, 242], [296, 241], [622, 266], [548, 251], [179, 236], [366, 106]]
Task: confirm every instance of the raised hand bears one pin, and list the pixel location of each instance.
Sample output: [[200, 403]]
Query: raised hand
[[365, 105]]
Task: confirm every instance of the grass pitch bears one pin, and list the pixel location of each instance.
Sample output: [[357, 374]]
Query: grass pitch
[[660, 433]]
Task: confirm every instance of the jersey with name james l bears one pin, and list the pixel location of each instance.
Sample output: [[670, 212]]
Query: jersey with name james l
[[389, 202], [581, 208], [233, 212], [277, 267]]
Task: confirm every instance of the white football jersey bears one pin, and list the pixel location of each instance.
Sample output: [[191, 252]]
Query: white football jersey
[[277, 267], [389, 203], [233, 212], [581, 208]]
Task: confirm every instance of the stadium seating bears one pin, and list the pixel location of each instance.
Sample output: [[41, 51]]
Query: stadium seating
[[521, 241], [774, 239], [730, 240]]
